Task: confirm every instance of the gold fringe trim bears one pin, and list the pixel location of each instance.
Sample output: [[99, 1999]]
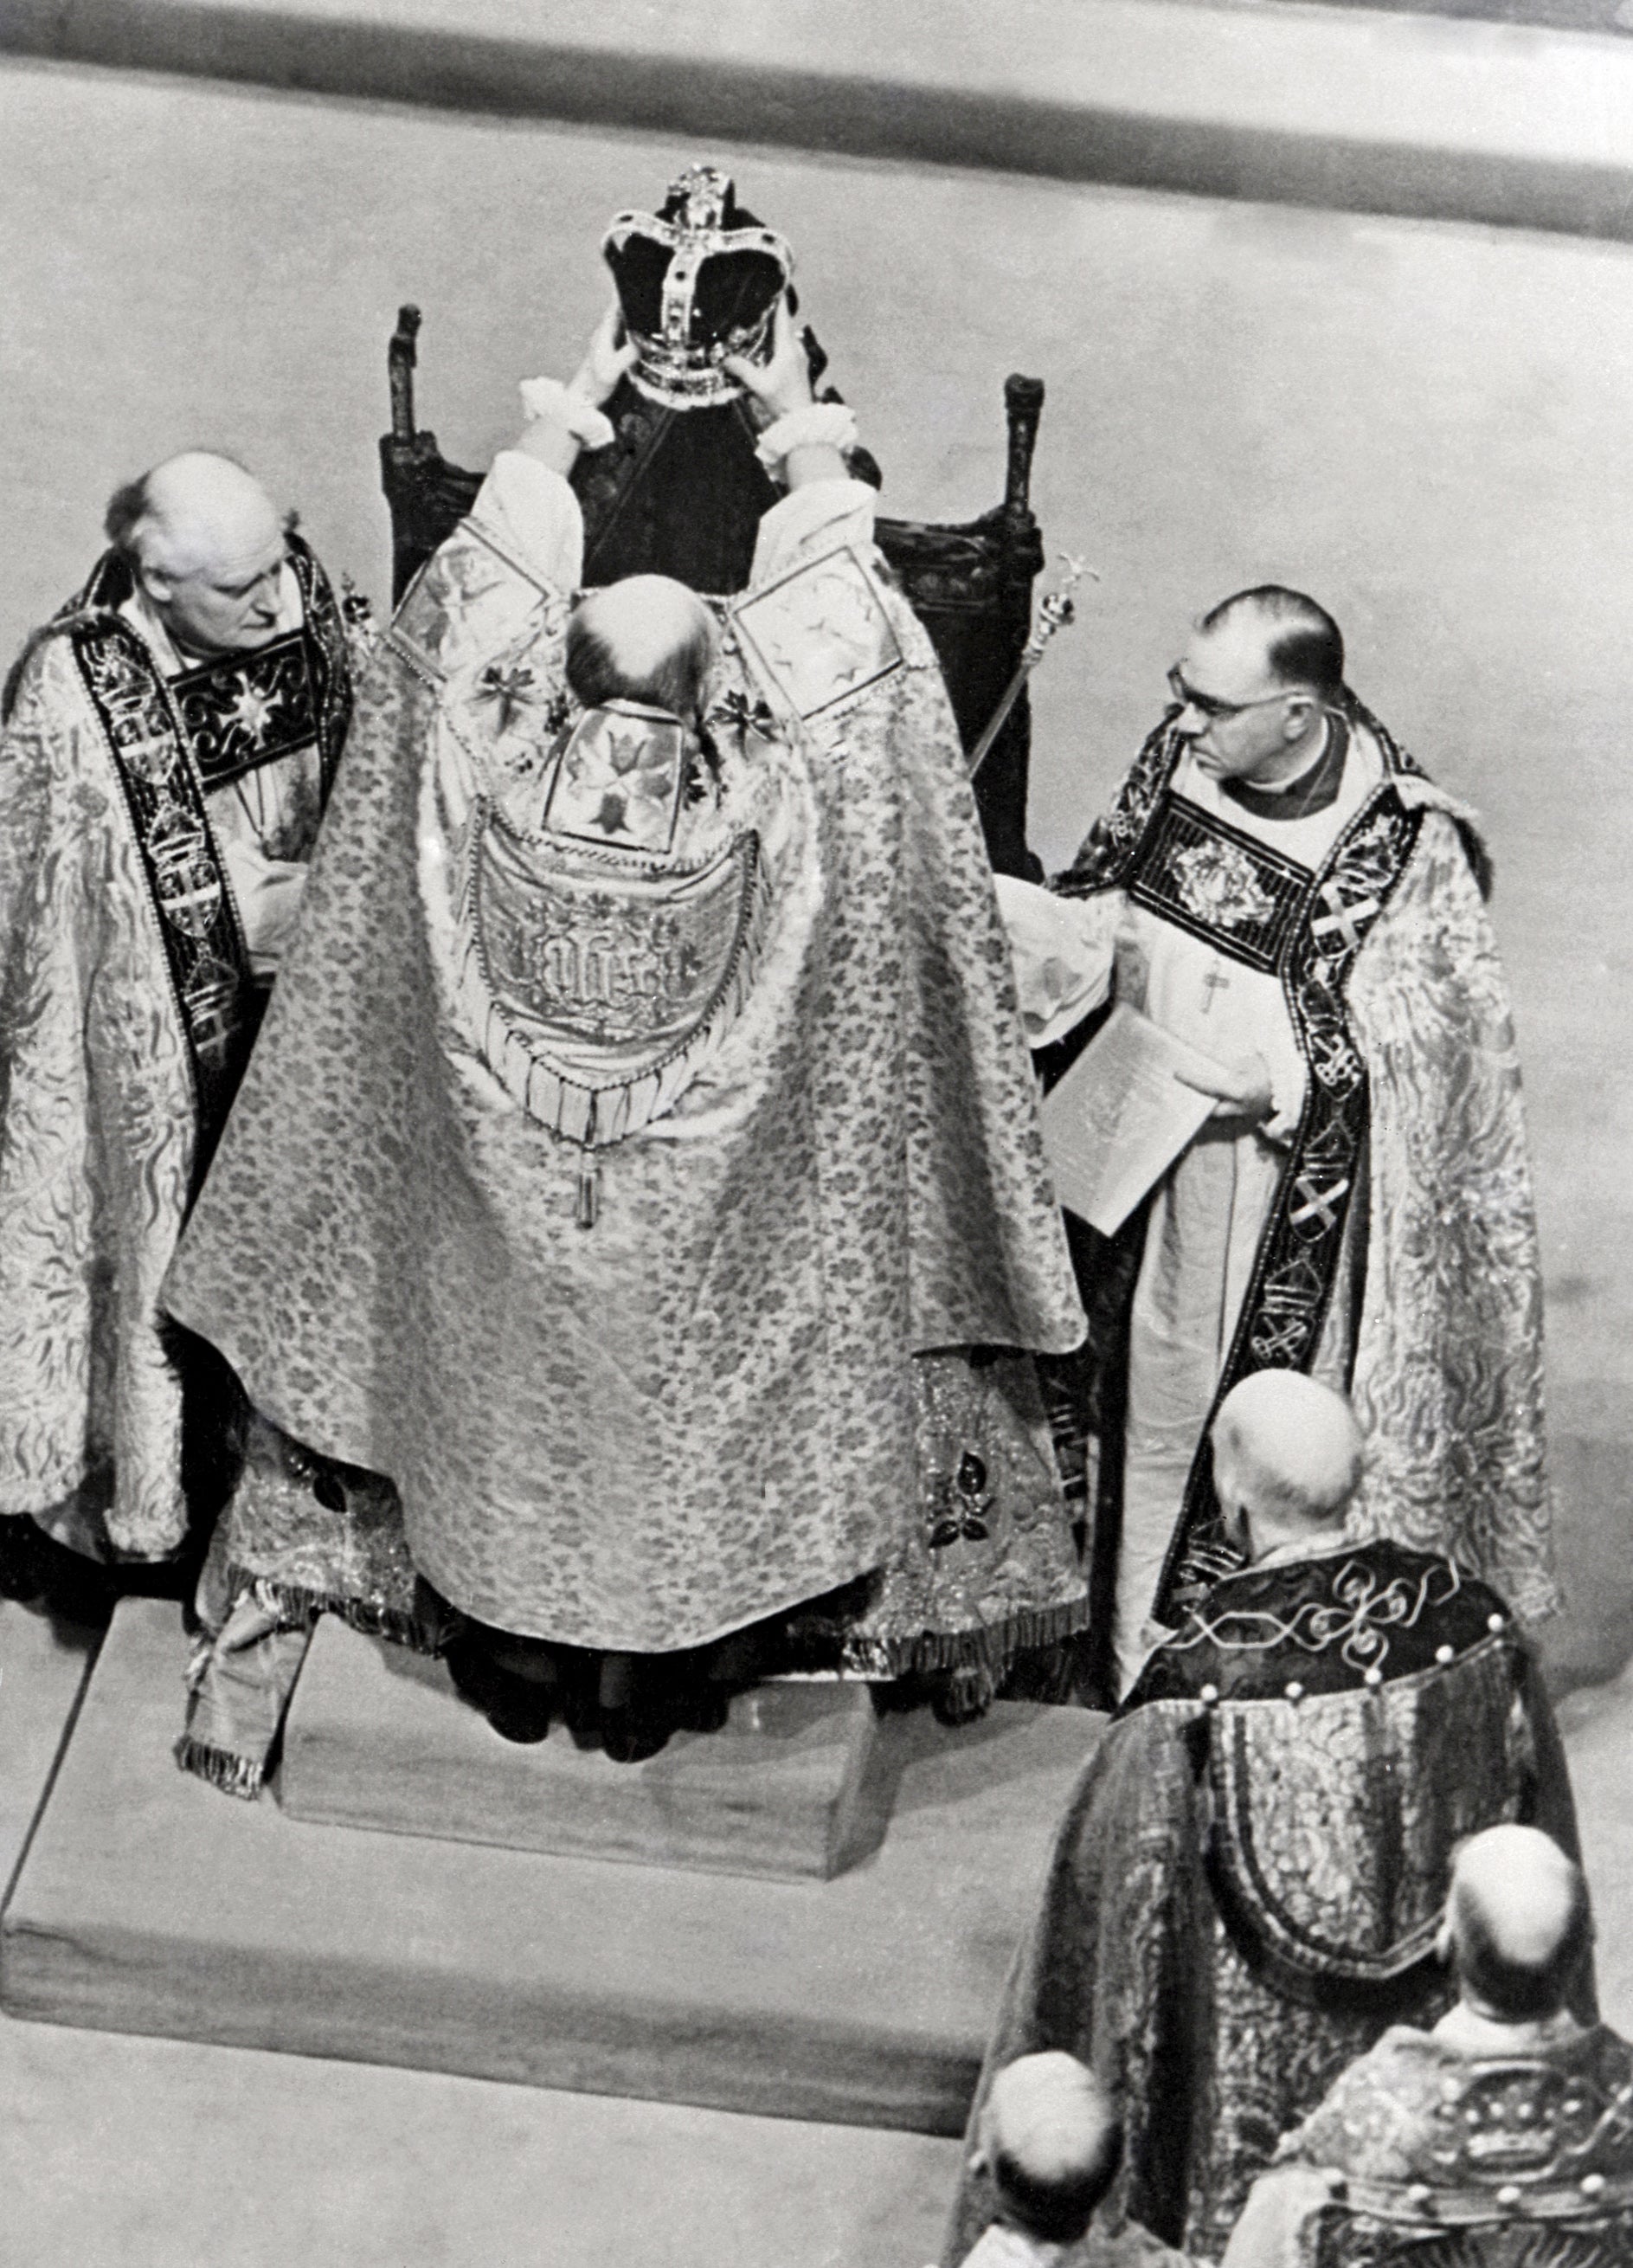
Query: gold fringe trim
[[598, 1117], [992, 1647], [421, 1633], [239, 1776]]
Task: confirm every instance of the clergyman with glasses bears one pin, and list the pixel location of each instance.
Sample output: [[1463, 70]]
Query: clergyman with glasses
[[1278, 886]]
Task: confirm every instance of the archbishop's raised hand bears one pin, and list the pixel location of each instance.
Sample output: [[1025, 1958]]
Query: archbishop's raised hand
[[610, 353], [783, 383]]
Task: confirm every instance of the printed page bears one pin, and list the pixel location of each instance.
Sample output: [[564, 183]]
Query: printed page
[[1120, 1117]]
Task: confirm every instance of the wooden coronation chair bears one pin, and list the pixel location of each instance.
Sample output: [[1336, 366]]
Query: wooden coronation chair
[[970, 585]]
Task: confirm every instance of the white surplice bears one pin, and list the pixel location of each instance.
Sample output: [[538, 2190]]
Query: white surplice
[[1208, 1212]]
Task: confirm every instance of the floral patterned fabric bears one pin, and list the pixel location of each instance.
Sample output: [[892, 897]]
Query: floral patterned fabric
[[706, 1407], [1446, 1369], [1399, 1261], [102, 1120], [97, 1136], [1243, 1892]]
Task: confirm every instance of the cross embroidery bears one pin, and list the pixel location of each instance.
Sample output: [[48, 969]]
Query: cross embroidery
[[1340, 921], [1319, 1204]]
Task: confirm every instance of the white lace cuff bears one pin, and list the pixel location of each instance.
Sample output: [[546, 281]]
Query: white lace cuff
[[817, 424], [548, 398]]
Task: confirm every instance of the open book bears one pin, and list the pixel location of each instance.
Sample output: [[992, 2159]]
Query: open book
[[1120, 1117]]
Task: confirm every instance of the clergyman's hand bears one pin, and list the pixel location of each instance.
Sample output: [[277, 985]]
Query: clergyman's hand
[[784, 384], [1241, 1087], [610, 353]]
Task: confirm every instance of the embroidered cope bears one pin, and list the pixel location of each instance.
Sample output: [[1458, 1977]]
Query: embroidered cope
[[128, 1001], [1377, 1230], [1248, 1880], [1475, 2141], [766, 1034]]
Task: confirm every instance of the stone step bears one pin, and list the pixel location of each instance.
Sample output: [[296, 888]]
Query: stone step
[[150, 1902], [377, 1738]]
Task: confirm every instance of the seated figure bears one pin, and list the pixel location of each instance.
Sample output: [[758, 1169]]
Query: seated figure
[[169, 740], [1248, 1884], [678, 487], [654, 1250], [1503, 2135]]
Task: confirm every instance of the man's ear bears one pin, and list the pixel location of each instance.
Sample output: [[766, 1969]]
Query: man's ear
[[978, 2162], [157, 585], [1299, 716]]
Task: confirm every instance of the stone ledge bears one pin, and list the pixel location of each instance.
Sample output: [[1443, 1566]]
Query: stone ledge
[[1342, 108]]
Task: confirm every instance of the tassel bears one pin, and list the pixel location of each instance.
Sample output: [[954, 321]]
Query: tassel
[[589, 1190]]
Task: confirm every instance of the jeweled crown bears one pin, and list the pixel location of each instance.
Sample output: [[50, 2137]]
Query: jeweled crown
[[698, 282]]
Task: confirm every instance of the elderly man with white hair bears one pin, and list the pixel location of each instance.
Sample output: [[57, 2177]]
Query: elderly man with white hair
[[1504, 2133], [170, 739], [1249, 1880], [1046, 2148]]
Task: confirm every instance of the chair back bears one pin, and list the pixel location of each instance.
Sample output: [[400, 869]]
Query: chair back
[[971, 583]]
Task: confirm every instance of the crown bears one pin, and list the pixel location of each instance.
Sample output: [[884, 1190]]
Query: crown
[[698, 282]]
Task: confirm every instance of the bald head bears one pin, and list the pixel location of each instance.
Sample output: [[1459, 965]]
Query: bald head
[[1518, 1923], [206, 545], [194, 513], [1287, 1453], [1052, 2139], [647, 639], [1299, 642]]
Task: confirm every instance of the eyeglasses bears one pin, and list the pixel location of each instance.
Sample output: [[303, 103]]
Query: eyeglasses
[[1207, 705]]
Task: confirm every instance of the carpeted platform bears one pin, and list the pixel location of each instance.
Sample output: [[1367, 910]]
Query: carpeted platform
[[377, 1738], [150, 1902], [43, 1665]]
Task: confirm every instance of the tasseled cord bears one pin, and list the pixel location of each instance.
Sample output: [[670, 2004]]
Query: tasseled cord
[[589, 1189]]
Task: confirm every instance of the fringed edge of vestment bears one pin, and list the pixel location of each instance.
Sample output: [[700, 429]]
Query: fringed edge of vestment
[[991, 1646], [423, 1630], [233, 1775], [597, 1117]]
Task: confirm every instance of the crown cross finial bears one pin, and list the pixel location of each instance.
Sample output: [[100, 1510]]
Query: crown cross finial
[[704, 191]]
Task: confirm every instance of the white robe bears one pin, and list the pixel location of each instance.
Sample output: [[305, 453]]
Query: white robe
[[536, 516], [1208, 1212]]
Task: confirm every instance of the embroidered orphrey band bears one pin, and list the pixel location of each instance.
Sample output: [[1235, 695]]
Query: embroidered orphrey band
[[198, 923], [1313, 946]]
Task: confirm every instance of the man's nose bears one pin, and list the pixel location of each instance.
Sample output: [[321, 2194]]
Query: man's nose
[[1190, 724]]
